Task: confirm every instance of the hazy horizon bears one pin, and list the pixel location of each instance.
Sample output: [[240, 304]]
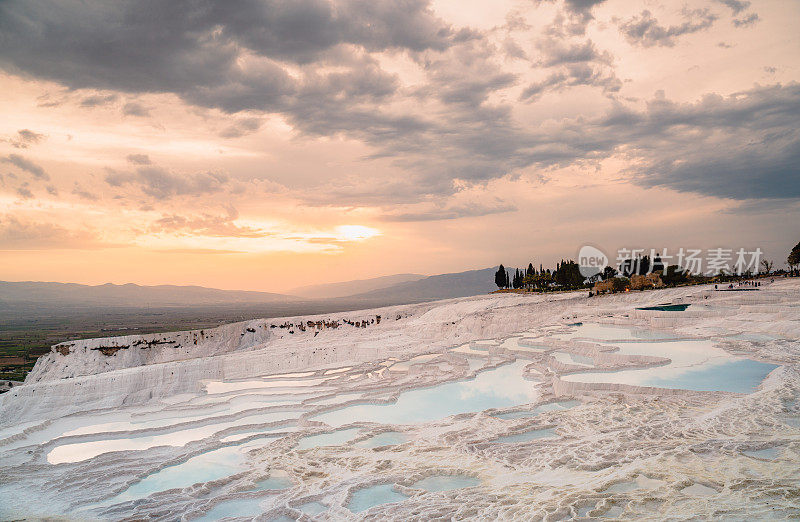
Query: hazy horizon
[[319, 292]]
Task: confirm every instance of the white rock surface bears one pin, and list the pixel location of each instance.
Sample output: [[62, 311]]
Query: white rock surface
[[260, 384]]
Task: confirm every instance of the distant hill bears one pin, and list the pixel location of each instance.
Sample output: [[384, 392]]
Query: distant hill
[[444, 286], [32, 300], [348, 288], [127, 295]]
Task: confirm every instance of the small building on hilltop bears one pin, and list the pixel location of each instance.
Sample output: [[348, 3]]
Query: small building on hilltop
[[601, 287], [651, 280]]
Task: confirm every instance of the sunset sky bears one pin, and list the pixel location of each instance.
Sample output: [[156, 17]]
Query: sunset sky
[[266, 145]]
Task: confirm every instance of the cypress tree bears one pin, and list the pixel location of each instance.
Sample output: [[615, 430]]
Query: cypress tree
[[500, 277], [794, 258], [658, 265]]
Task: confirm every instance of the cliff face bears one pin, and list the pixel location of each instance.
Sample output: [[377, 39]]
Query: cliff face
[[94, 356], [97, 356], [99, 374], [107, 373]]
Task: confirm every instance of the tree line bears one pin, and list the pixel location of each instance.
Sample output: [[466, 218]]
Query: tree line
[[567, 275], [794, 260]]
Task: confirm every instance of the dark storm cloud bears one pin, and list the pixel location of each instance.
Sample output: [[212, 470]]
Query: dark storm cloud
[[241, 128], [556, 52], [97, 100], [465, 76], [582, 10], [453, 212], [743, 146], [513, 50], [763, 206], [17, 234], [135, 109], [25, 165], [231, 56], [24, 192], [572, 76], [235, 56], [746, 21], [138, 159], [301, 29], [162, 184], [582, 6], [185, 46], [645, 30], [576, 64], [756, 171], [206, 225], [25, 138], [574, 18], [83, 193], [737, 6]]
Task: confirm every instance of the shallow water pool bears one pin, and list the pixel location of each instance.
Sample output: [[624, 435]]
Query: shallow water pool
[[363, 499], [695, 365], [552, 406], [273, 483], [244, 507], [405, 366], [613, 512], [387, 438], [764, 454], [333, 438], [753, 337], [611, 333], [475, 364], [470, 352], [500, 387], [313, 508], [338, 398], [213, 465], [527, 344], [525, 436], [277, 385], [699, 490], [445, 483], [206, 467], [80, 451], [573, 358], [639, 482]]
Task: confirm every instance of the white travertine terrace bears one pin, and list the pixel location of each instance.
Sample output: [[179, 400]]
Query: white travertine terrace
[[96, 421]]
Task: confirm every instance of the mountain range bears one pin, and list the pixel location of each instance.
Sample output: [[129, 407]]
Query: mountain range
[[431, 288], [394, 289], [348, 288], [128, 295]]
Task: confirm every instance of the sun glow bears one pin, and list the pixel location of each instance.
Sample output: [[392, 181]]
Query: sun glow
[[274, 239], [356, 232]]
